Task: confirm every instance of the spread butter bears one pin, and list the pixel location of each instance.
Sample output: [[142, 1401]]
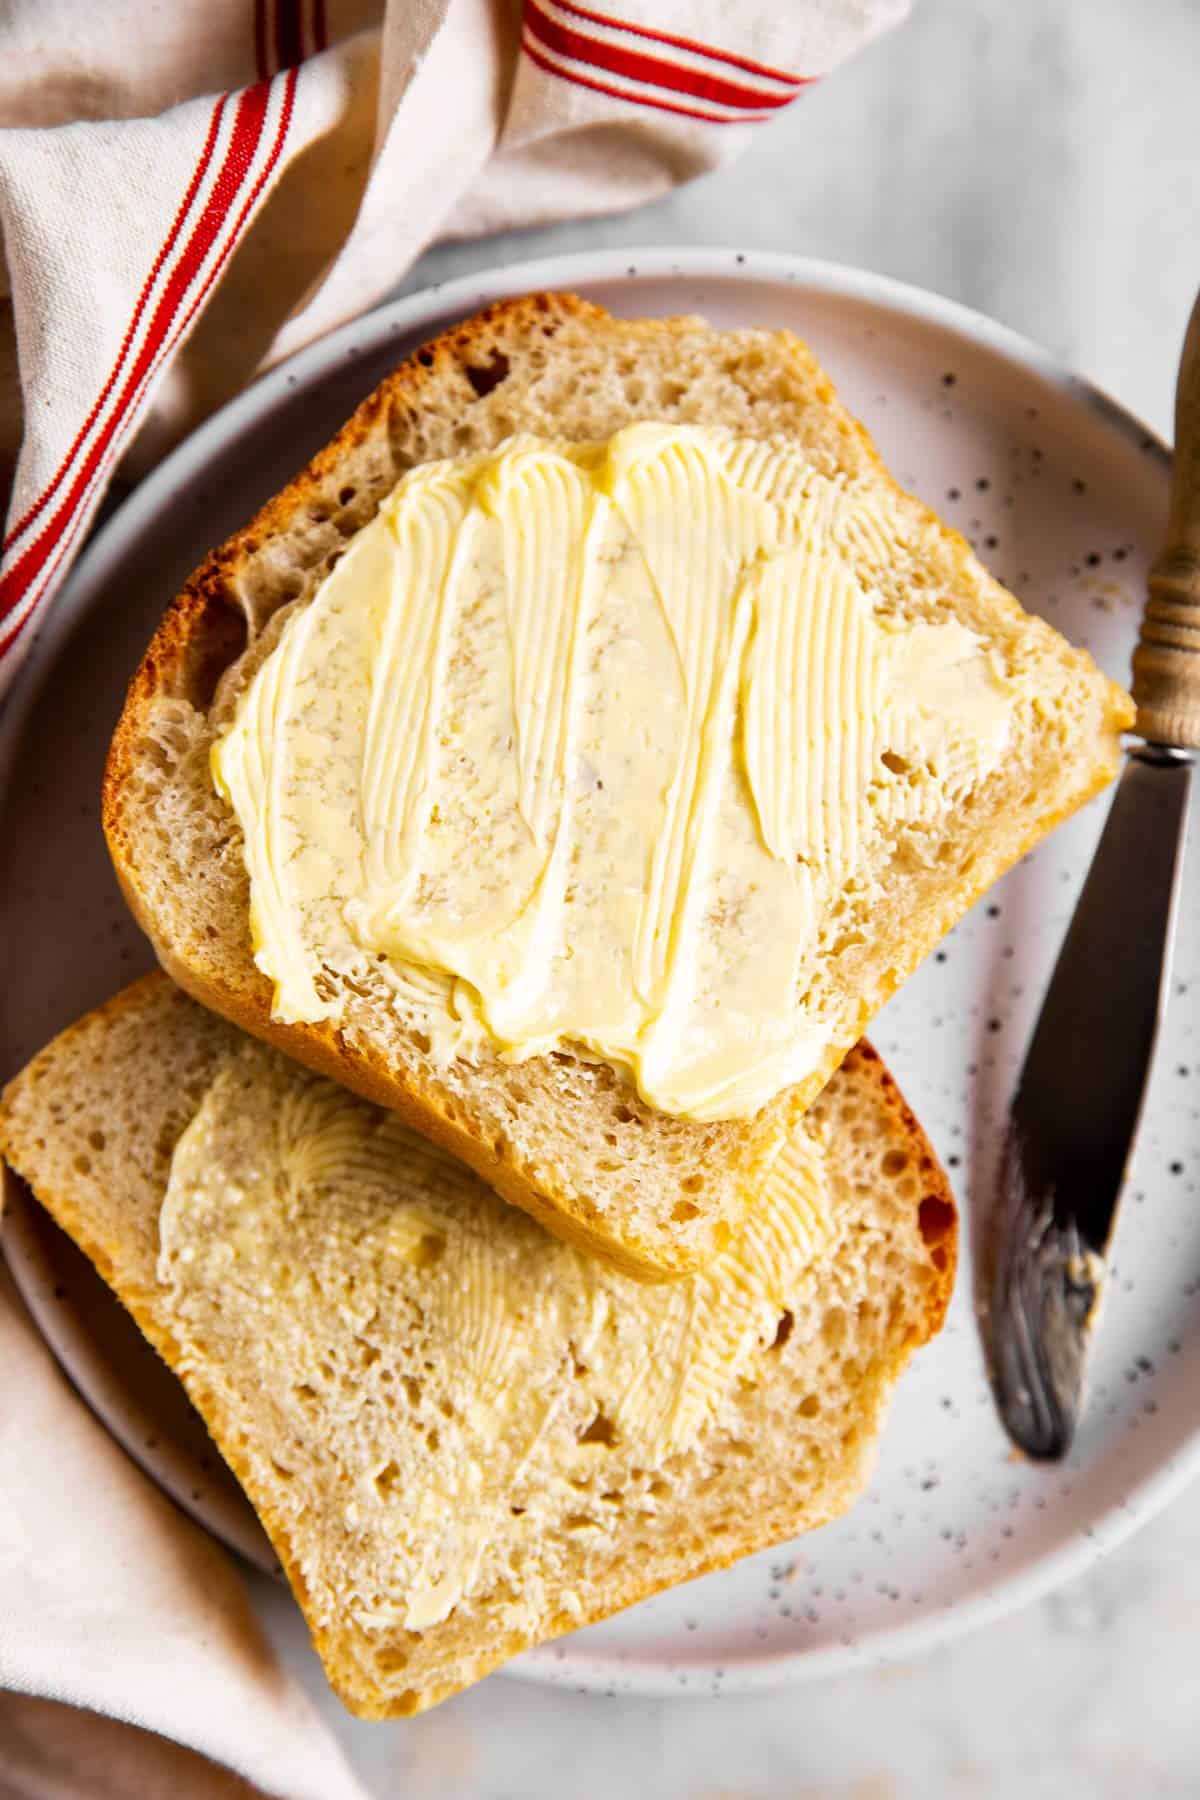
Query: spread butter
[[578, 744], [349, 1264]]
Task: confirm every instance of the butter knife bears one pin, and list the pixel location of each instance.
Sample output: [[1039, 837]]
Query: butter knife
[[1075, 1115]]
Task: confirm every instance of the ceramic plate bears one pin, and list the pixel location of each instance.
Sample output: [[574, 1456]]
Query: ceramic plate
[[1063, 494]]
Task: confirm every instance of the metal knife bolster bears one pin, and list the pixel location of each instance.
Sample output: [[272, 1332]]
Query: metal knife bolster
[[1078, 1102]]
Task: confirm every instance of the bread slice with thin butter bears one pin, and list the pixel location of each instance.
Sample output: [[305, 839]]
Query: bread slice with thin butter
[[463, 1435], [581, 750]]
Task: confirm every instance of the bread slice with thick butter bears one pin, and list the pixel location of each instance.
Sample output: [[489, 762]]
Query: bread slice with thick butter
[[581, 750], [464, 1436]]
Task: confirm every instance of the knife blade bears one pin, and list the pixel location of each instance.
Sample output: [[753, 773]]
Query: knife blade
[[1079, 1097], [1074, 1117]]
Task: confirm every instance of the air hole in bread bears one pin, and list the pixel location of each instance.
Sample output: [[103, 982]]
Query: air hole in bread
[[428, 1250], [600, 1431], [809, 1407], [895, 1162], [683, 1210], [483, 377], [346, 495], [225, 636], [413, 1389], [783, 1330], [935, 1220], [387, 1477]]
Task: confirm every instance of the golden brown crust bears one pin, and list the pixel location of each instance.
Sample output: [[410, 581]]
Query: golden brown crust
[[937, 1207], [937, 1220]]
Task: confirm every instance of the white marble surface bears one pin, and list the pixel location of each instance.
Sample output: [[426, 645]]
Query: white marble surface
[[1038, 160]]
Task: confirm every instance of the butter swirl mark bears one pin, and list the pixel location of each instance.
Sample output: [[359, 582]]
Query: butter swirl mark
[[579, 744], [689, 1341], [471, 1348]]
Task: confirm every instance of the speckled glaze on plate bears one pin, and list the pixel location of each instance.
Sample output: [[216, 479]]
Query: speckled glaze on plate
[[1063, 495]]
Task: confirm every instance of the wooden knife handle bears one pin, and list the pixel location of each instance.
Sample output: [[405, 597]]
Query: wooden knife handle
[[1166, 663]]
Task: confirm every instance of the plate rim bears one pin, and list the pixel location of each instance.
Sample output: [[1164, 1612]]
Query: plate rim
[[422, 309]]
